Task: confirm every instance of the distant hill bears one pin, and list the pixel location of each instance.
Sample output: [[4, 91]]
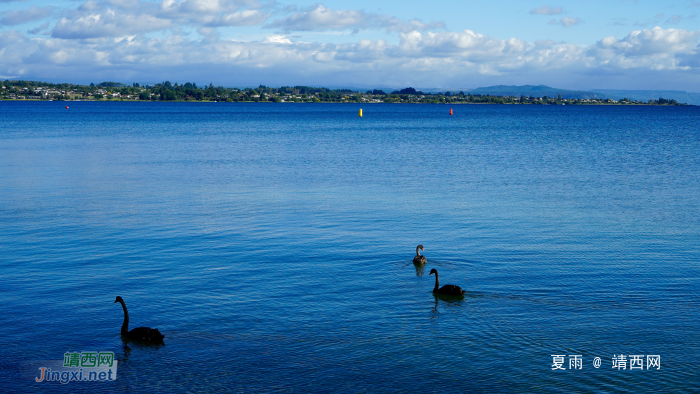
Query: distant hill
[[542, 90], [646, 95], [537, 91]]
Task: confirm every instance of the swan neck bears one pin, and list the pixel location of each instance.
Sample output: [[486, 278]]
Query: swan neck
[[437, 282], [125, 325], [418, 251]]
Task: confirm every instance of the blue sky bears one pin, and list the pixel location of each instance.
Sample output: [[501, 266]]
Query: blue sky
[[614, 44]]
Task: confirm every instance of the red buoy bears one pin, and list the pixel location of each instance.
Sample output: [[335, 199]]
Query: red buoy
[[450, 111]]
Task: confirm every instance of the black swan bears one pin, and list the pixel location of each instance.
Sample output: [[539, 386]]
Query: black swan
[[143, 334], [419, 259], [450, 290]]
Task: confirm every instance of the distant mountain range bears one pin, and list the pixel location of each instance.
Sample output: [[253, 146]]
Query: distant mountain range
[[645, 95], [536, 91], [542, 90]]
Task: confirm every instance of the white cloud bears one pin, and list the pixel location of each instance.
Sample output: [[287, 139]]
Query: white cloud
[[432, 57], [320, 18], [89, 6], [214, 13], [209, 34], [243, 18], [649, 43], [277, 39], [394, 24], [7, 38], [547, 10], [118, 18], [17, 17], [566, 21], [38, 29], [467, 45], [106, 39], [675, 19], [110, 23]]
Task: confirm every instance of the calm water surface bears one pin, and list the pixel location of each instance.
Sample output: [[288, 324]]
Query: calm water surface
[[272, 245]]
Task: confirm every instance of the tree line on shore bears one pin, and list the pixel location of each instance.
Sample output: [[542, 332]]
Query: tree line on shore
[[189, 91]]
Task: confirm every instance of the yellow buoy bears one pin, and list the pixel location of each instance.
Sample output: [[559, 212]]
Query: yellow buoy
[[360, 112]]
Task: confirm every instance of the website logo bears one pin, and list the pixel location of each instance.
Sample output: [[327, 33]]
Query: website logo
[[78, 367]]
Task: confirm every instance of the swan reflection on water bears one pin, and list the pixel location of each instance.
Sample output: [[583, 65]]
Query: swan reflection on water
[[420, 269], [125, 354], [451, 302], [447, 302]]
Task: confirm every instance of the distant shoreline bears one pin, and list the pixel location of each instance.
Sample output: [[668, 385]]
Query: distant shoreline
[[565, 103], [190, 92]]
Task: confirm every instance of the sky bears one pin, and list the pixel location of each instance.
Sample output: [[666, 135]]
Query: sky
[[440, 44]]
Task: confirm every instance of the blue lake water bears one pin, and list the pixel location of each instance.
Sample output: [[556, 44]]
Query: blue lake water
[[272, 245]]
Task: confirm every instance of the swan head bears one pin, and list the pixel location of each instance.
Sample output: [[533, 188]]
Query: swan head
[[119, 299], [433, 271], [420, 247]]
